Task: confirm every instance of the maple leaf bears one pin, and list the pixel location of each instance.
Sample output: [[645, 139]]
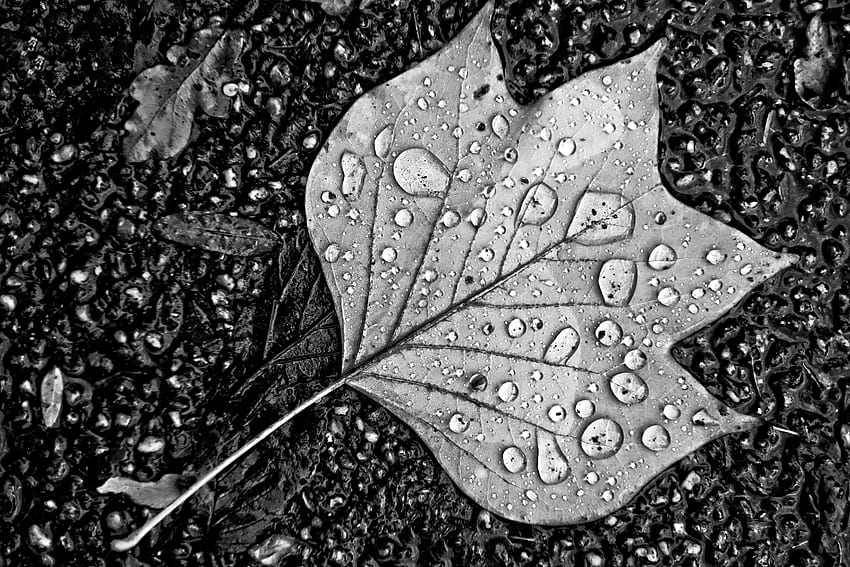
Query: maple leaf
[[510, 279]]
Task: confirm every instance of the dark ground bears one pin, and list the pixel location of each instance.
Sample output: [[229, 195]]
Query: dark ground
[[159, 341]]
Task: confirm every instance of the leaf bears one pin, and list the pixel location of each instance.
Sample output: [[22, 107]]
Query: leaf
[[334, 7], [169, 95], [52, 388], [218, 232], [812, 73], [510, 279], [157, 494]]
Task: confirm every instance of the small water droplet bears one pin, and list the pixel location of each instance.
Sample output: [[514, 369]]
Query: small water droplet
[[457, 132], [419, 172], [635, 359], [617, 279], [567, 147], [475, 147], [602, 438], [715, 257], [746, 269], [585, 408], [662, 257], [655, 438], [477, 216], [511, 155], [388, 254], [698, 293], [464, 175], [500, 126], [715, 285], [531, 495], [628, 388], [538, 205], [607, 496], [477, 382], [508, 391], [660, 218], [671, 412], [668, 296], [516, 328], [459, 423], [332, 252], [609, 333], [557, 413], [702, 418], [607, 80], [403, 217], [545, 134], [422, 103], [609, 128], [486, 255], [328, 197], [591, 478], [383, 142], [450, 219], [353, 175], [514, 459]]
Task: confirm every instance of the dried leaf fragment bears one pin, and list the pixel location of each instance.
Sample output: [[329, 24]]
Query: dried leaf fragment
[[812, 72], [218, 232], [169, 95], [52, 387], [158, 494]]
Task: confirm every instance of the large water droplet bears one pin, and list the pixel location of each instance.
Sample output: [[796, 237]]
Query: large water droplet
[[451, 218], [477, 216], [655, 438], [668, 296], [609, 333], [516, 327], [715, 257], [602, 438], [353, 174], [567, 147], [538, 205], [421, 173], [562, 346], [459, 423], [601, 218], [635, 359], [403, 217], [514, 459], [383, 142], [500, 126], [662, 257], [617, 279], [552, 466], [508, 391], [585, 408], [332, 252], [477, 382], [671, 412], [628, 388]]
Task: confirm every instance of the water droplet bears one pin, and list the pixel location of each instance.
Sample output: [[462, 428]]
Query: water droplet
[[567, 147], [403, 217], [508, 391], [457, 133], [607, 80], [419, 172], [450, 219], [477, 382], [607, 496], [475, 147], [538, 205], [655, 438], [464, 175], [531, 495], [500, 126], [514, 459], [477, 216], [459, 423], [635, 359], [383, 142], [511, 155], [585, 408], [562, 346], [662, 257], [422, 103], [557, 413], [703, 418], [332, 252], [715, 285], [328, 197], [516, 328], [609, 333], [617, 279], [429, 275], [698, 293], [660, 218], [671, 412], [601, 218], [628, 388], [591, 478], [668, 296], [602, 438], [545, 134], [486, 255], [353, 174], [552, 466], [715, 257], [746, 269], [388, 254]]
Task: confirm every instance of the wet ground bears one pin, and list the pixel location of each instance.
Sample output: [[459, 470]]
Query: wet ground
[[159, 342]]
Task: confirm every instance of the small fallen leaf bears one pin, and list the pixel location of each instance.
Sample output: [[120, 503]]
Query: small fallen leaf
[[812, 73], [217, 232], [157, 494], [52, 388], [511, 279], [274, 549], [169, 95], [334, 7]]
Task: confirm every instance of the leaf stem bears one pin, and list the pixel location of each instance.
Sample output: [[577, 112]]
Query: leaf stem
[[134, 538]]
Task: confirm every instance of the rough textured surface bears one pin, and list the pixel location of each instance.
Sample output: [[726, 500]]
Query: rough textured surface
[[158, 342]]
